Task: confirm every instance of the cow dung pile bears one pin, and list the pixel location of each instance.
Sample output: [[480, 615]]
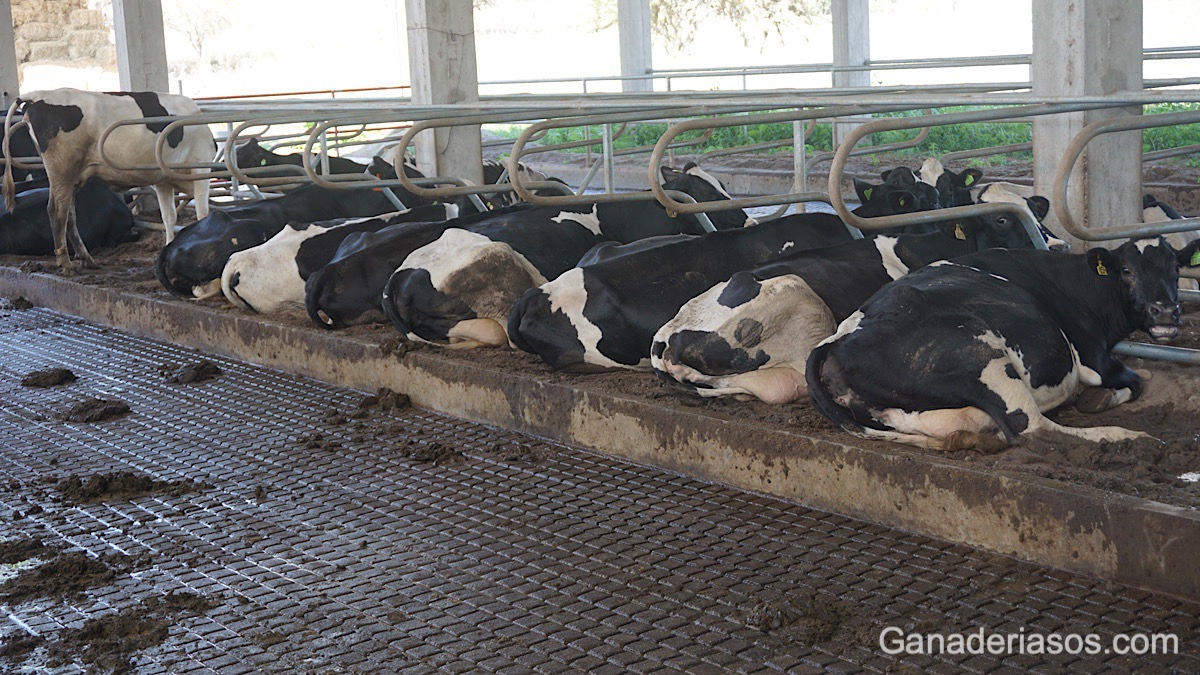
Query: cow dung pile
[[189, 373], [385, 399], [96, 410], [48, 378], [20, 303], [122, 486]]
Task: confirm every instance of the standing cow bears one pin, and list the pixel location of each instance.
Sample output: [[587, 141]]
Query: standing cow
[[66, 125]]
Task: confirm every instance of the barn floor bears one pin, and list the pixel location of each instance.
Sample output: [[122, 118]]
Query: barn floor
[[323, 536]]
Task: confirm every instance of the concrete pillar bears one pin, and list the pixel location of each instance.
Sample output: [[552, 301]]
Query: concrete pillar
[[851, 47], [1088, 49], [9, 78], [141, 45], [441, 56], [633, 25]]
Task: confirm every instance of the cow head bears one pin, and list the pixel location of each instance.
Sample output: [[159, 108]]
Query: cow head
[[250, 154], [900, 192], [1004, 230], [1146, 275], [704, 187]]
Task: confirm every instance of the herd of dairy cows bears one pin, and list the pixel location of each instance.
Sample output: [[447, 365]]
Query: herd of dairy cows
[[955, 334]]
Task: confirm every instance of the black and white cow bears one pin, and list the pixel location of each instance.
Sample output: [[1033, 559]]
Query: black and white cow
[[66, 125], [459, 289], [103, 219], [191, 265], [972, 352], [605, 315], [271, 276], [751, 336], [251, 155], [349, 289]]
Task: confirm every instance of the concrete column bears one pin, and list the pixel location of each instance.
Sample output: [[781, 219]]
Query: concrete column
[[851, 47], [633, 25], [141, 45], [9, 75], [1088, 49], [441, 56]]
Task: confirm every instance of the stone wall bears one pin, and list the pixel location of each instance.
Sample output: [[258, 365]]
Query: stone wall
[[65, 32]]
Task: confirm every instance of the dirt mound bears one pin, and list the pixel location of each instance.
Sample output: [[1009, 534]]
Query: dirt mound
[[385, 399], [430, 452], [518, 452], [18, 550], [189, 373], [107, 643], [316, 441], [48, 378], [122, 486], [68, 575], [809, 620], [97, 410], [17, 647], [399, 347], [20, 303]]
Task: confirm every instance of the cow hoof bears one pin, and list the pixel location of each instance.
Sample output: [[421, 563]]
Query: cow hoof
[[1094, 400], [970, 440]]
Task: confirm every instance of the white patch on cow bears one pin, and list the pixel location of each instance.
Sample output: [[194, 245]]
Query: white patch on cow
[[207, 290], [937, 423], [1088, 376], [931, 170], [234, 241], [750, 222], [787, 245], [589, 220], [846, 327], [1190, 477], [892, 264], [567, 295], [267, 276], [792, 320], [708, 178], [1001, 192], [1154, 214], [1143, 244], [454, 259]]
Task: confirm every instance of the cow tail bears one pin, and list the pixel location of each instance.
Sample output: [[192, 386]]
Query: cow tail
[[388, 303], [820, 396], [9, 188]]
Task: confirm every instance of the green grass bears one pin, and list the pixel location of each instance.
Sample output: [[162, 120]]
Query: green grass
[[941, 140]]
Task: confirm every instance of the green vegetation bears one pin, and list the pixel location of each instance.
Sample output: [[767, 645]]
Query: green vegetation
[[941, 140]]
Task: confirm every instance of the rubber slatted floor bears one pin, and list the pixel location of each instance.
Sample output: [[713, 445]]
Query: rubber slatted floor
[[352, 555]]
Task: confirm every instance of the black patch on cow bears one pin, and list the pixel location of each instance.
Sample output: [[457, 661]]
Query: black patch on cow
[[711, 354], [1011, 372], [48, 119], [749, 332], [414, 305], [152, 107], [657, 349], [738, 292]]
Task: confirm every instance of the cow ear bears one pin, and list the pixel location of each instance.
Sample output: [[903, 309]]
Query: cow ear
[[1102, 262], [883, 175], [1039, 205], [688, 167], [670, 173], [902, 200], [970, 177], [1190, 255], [864, 190]]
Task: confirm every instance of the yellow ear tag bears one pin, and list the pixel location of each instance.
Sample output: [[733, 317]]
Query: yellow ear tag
[[969, 179], [1101, 269], [867, 192], [671, 214], [1195, 262], [902, 201], [958, 232]]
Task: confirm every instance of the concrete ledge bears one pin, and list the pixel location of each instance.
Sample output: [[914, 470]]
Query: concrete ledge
[[1110, 536]]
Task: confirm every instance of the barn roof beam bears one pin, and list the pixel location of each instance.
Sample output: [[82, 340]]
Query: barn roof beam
[[633, 27], [9, 78]]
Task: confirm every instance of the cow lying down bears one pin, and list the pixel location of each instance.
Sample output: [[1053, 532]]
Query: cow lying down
[[971, 353], [604, 315], [102, 220], [751, 335], [459, 289], [271, 276]]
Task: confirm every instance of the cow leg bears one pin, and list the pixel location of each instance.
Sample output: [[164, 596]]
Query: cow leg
[[200, 194], [166, 207], [61, 208], [477, 333]]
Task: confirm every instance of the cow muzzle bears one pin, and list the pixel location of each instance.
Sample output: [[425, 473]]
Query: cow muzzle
[[1165, 322]]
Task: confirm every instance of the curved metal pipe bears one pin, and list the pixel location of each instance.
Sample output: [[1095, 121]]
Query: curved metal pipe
[[1062, 177]]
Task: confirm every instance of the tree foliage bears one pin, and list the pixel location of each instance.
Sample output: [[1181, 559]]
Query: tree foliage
[[675, 21]]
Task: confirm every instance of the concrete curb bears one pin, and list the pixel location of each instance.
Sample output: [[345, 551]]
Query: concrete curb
[[1110, 536]]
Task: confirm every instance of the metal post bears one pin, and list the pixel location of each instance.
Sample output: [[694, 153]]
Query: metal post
[[608, 159], [141, 45], [441, 54], [851, 47], [798, 162], [1089, 49], [9, 78], [633, 25]]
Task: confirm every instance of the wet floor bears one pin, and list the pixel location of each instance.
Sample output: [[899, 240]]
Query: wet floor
[[329, 537]]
